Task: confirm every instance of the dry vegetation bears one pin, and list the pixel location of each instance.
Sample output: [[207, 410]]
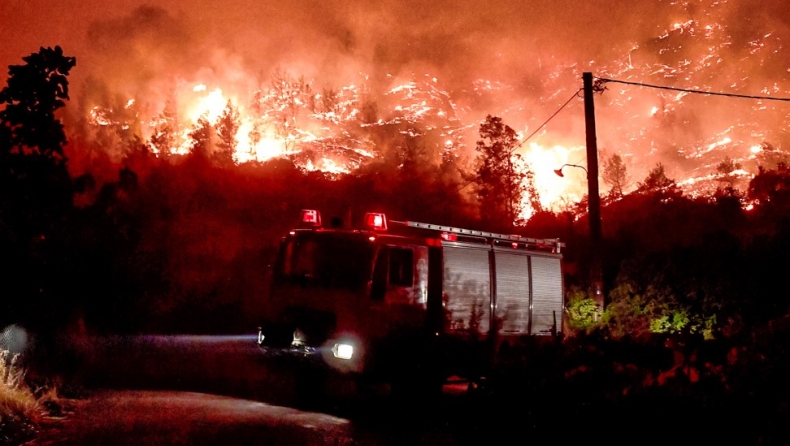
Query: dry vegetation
[[22, 408]]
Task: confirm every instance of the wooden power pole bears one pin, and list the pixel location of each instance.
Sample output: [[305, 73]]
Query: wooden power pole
[[593, 196]]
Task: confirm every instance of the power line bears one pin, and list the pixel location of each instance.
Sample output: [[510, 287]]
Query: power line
[[689, 90], [575, 94]]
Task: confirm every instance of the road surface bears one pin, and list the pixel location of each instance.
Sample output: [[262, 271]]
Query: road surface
[[145, 417], [216, 390]]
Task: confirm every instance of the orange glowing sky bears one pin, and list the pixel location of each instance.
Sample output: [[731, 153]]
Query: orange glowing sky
[[519, 60]]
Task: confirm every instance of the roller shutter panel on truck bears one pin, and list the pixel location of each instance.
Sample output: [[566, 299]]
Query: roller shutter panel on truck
[[527, 289], [512, 292], [467, 287], [547, 298]]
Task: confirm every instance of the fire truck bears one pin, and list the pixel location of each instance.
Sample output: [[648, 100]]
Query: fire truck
[[408, 303]]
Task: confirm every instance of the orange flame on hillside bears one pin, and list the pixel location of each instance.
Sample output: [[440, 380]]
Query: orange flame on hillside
[[337, 130]]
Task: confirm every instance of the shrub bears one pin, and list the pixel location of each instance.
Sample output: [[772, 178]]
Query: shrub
[[20, 410], [583, 312]]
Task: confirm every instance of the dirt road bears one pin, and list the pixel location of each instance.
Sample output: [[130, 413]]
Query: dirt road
[[188, 418], [215, 390]]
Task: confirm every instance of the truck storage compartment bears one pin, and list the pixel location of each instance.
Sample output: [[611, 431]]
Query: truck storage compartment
[[512, 292], [467, 288], [547, 300], [523, 287]]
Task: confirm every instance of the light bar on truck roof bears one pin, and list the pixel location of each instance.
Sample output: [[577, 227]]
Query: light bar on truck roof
[[451, 233], [376, 221]]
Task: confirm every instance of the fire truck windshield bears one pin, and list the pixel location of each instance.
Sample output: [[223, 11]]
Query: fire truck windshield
[[315, 259]]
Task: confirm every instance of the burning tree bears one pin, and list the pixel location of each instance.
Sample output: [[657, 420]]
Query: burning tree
[[284, 103], [503, 179]]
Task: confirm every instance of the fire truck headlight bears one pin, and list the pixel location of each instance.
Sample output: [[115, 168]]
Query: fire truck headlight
[[343, 351]]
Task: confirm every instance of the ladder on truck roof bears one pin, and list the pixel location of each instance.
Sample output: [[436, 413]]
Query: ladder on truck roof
[[513, 238]]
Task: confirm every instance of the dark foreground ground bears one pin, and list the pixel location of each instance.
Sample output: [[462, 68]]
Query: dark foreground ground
[[207, 390]]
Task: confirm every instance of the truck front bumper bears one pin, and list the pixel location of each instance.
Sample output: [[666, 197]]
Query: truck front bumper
[[341, 355]]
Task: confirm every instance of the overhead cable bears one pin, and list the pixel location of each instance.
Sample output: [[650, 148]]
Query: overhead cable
[[575, 94], [691, 90], [547, 121]]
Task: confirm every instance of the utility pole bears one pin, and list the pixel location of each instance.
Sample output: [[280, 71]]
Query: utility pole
[[593, 196]]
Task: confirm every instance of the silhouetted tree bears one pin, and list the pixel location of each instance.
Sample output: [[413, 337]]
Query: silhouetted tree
[[227, 126], [658, 184], [771, 185], [412, 154], [201, 136], [503, 180], [107, 238], [31, 138], [726, 191], [164, 139], [452, 167], [725, 170], [35, 186], [615, 175], [769, 156]]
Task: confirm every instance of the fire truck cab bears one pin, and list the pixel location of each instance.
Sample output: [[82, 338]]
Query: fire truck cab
[[406, 299]]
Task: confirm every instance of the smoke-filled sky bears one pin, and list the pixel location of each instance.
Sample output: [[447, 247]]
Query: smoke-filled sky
[[519, 60], [458, 39]]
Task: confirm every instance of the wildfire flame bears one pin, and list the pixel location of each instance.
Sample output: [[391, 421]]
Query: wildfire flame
[[325, 129]]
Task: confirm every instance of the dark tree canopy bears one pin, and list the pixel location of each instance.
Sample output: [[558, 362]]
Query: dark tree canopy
[[165, 136], [658, 183], [725, 171], [35, 186], [201, 138], [615, 175], [503, 180], [227, 126], [33, 94], [771, 185]]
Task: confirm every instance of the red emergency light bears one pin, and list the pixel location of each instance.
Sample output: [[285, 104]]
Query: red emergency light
[[449, 236], [311, 217], [376, 221]]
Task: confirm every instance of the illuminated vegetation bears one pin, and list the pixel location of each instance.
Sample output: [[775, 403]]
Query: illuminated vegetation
[[20, 410]]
